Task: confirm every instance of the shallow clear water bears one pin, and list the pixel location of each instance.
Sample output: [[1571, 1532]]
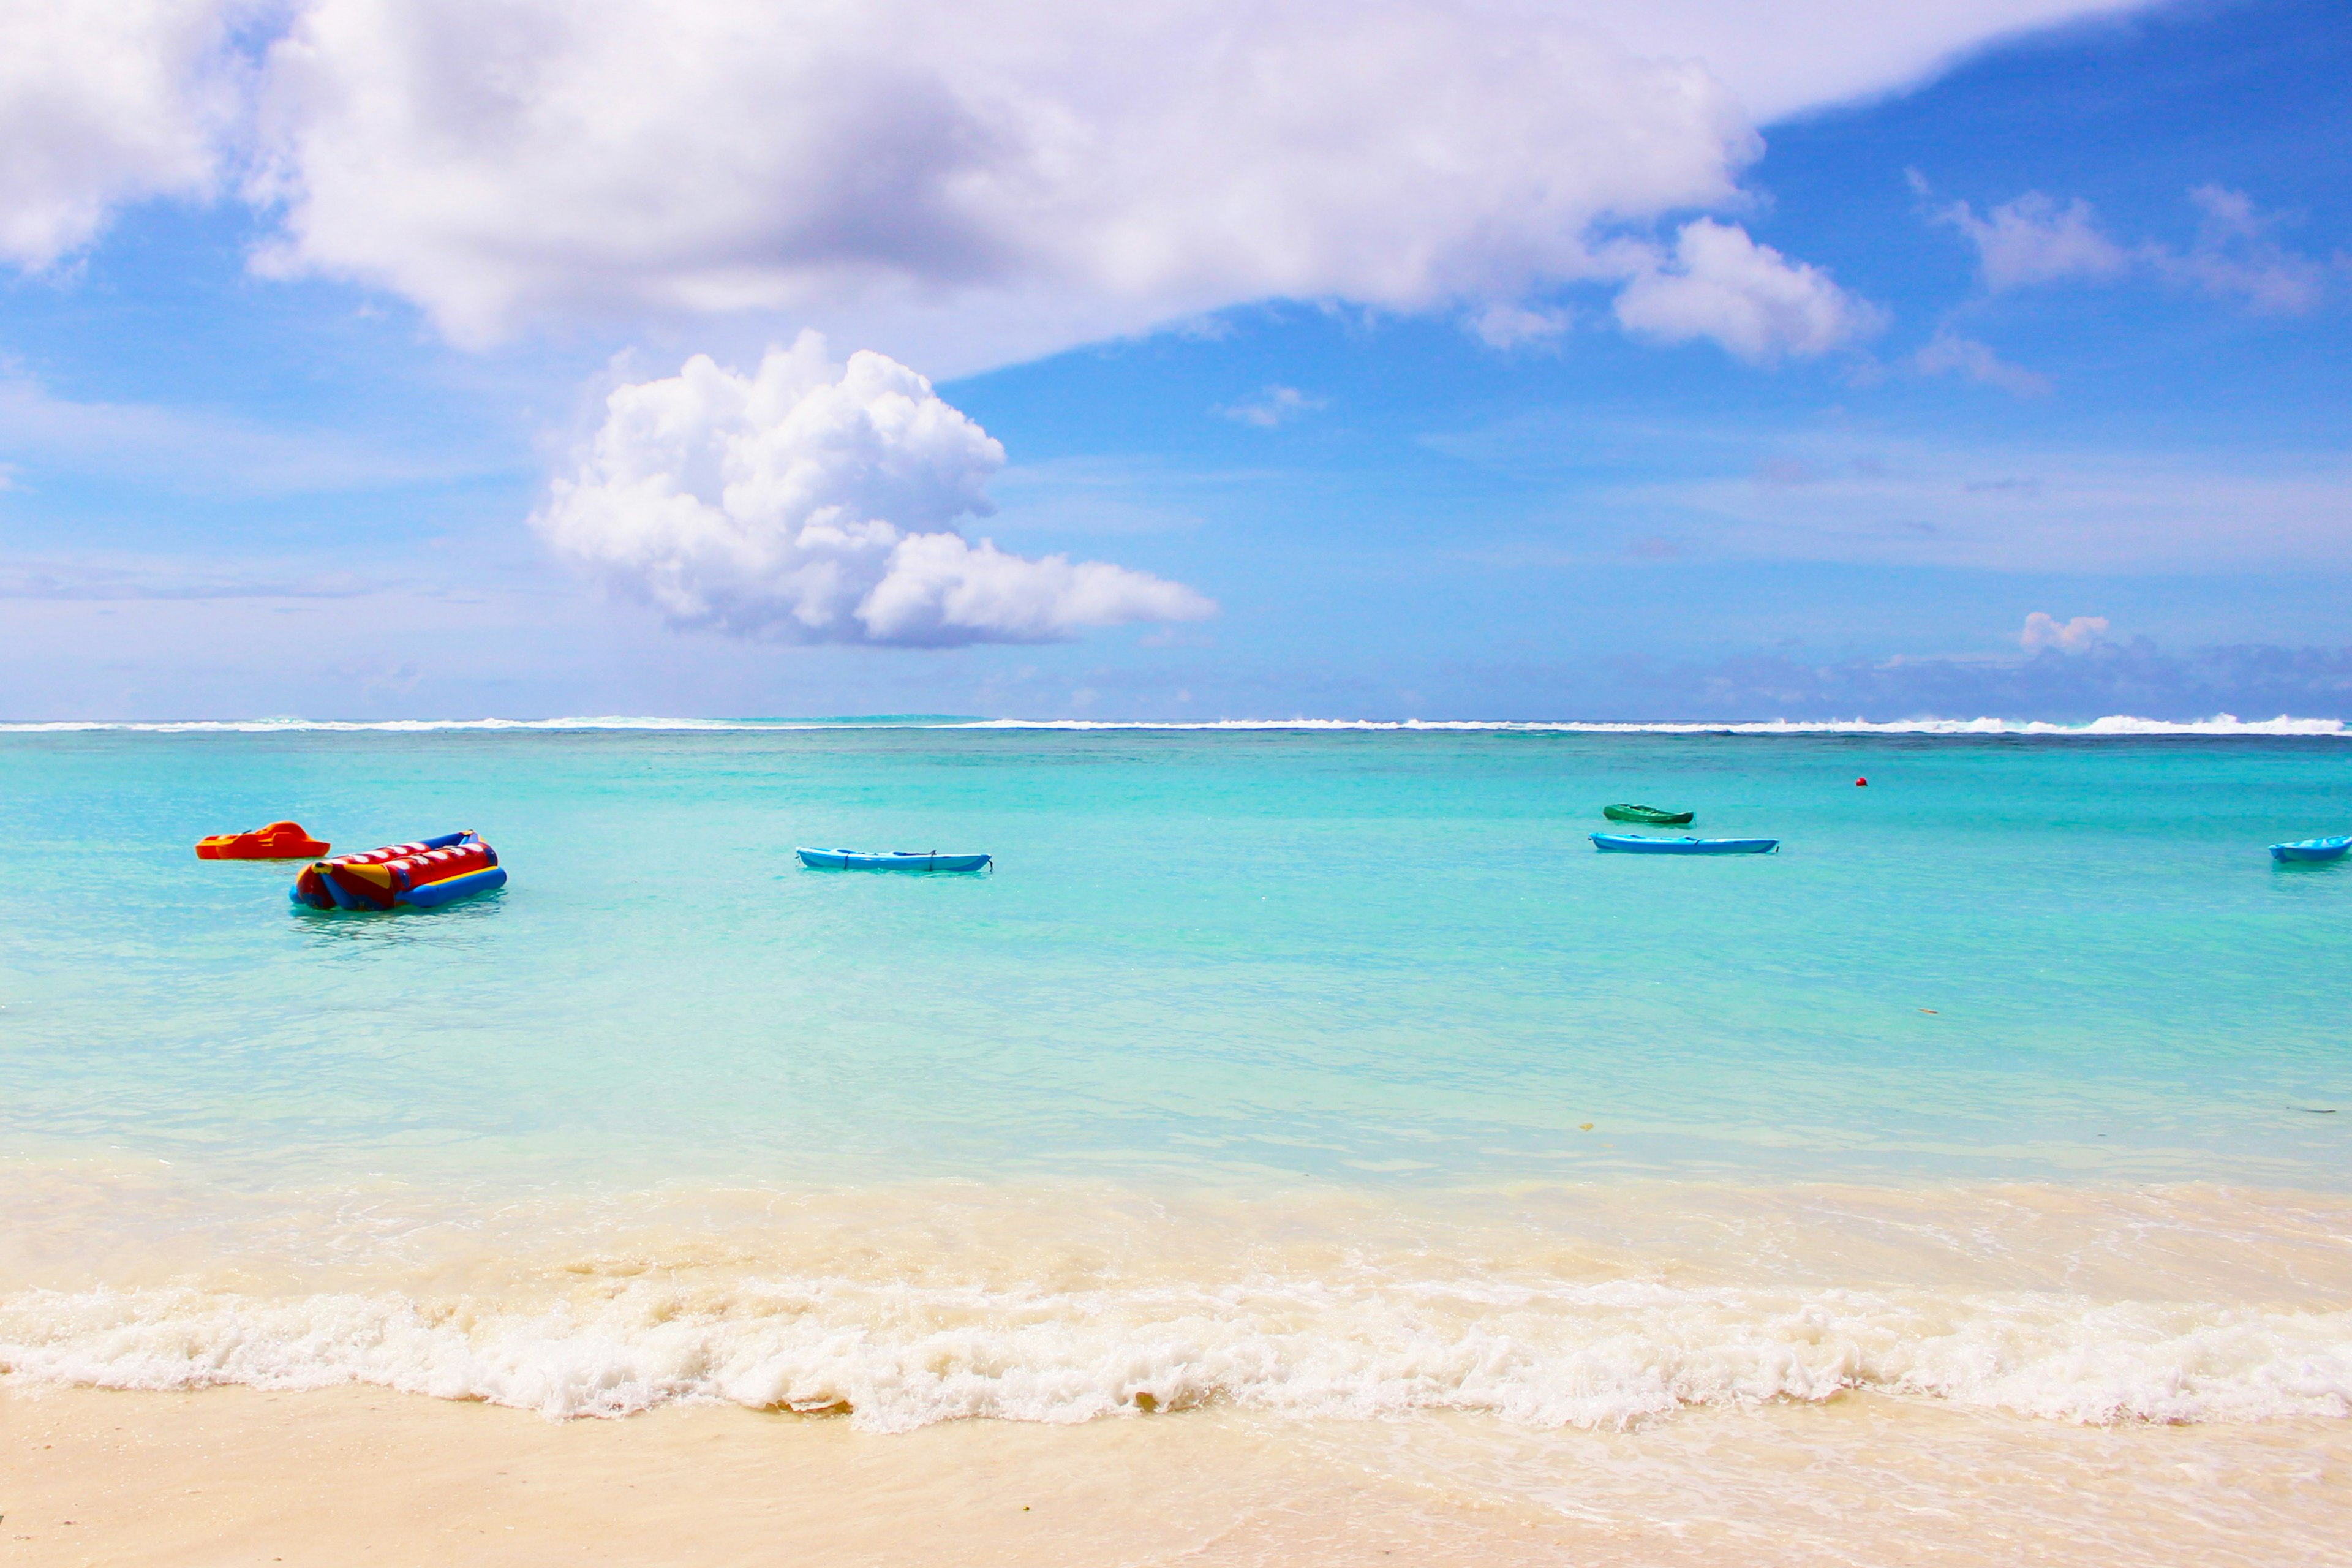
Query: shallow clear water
[[1213, 956], [1328, 1072]]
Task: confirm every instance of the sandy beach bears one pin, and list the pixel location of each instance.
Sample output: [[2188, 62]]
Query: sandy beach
[[346, 1475]]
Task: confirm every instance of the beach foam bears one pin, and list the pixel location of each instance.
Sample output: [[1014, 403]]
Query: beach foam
[[898, 1358], [1576, 1308]]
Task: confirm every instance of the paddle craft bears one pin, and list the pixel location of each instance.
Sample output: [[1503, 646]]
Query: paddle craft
[[888, 860], [278, 841], [1635, 844], [1650, 815], [2308, 849], [423, 876]]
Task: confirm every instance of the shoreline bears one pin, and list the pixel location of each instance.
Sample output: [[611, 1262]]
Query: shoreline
[[1581, 1307], [235, 1476]]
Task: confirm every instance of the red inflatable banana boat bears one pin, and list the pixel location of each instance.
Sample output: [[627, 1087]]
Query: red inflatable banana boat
[[423, 874], [278, 841]]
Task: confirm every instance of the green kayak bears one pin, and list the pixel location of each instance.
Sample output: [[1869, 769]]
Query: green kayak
[[1649, 814]]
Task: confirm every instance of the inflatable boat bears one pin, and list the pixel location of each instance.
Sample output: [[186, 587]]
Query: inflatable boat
[[278, 841], [1635, 843], [888, 860], [423, 875]]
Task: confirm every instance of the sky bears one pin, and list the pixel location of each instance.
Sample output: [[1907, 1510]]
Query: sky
[[1497, 359]]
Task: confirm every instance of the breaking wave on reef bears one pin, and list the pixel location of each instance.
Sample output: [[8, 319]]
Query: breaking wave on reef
[[2122, 725]]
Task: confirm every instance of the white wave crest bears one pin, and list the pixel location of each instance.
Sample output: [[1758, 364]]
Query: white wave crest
[[2113, 725], [898, 1356], [389, 726], [2119, 724]]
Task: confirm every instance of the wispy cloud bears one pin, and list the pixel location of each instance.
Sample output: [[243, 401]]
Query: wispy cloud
[[2034, 241], [1277, 405], [1510, 327], [110, 577], [1105, 495], [1949, 353], [2237, 257], [1837, 493], [182, 450], [2022, 509]]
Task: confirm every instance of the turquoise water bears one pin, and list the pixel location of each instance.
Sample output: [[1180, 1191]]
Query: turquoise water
[[1326, 1072], [1388, 959]]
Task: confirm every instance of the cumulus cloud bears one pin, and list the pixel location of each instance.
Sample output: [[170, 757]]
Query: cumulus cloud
[[1754, 302], [2043, 630], [502, 161], [103, 101], [1949, 353], [818, 502], [2034, 240], [963, 181]]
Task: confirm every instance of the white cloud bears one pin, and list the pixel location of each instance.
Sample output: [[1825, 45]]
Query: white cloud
[[2078, 635], [962, 182], [816, 502], [1517, 326], [2034, 240], [2235, 257], [104, 101], [1064, 168], [1784, 57], [1948, 353], [1749, 298], [1277, 405]]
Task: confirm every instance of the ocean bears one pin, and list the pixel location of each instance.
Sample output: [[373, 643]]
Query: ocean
[[1323, 1073]]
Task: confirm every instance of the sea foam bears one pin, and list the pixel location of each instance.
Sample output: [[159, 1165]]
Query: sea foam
[[898, 1356]]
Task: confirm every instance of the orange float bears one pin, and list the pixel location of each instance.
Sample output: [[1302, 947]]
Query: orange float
[[278, 841]]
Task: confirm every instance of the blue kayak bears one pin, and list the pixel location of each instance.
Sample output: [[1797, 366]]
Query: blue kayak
[[2313, 849], [1635, 844], [888, 860]]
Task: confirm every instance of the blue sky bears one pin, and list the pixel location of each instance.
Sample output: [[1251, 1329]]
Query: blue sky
[[1898, 341]]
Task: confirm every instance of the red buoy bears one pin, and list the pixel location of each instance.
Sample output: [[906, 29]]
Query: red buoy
[[1860, 783]]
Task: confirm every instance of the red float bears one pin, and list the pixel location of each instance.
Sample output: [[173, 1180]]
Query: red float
[[278, 841]]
